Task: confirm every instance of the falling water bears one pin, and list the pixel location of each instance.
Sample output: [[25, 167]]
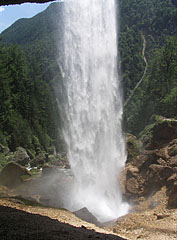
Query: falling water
[[93, 106]]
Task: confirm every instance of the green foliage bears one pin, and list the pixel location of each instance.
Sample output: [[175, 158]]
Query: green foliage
[[157, 94], [3, 161], [26, 100], [133, 147], [27, 72]]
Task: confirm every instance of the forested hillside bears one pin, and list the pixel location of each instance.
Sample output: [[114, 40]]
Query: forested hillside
[[29, 113], [29, 71], [156, 21]]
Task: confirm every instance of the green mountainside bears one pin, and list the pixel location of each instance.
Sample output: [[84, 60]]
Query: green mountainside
[[29, 71], [29, 114], [156, 22]]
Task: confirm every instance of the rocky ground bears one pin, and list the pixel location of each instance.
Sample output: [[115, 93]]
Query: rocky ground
[[149, 183], [23, 220], [150, 219], [26, 219]]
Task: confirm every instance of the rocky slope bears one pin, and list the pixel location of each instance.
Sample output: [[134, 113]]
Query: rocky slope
[[155, 166], [23, 220], [149, 183]]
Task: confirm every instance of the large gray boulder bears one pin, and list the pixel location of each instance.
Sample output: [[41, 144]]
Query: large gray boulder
[[11, 175]]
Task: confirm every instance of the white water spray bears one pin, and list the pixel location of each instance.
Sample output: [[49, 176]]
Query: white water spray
[[93, 107]]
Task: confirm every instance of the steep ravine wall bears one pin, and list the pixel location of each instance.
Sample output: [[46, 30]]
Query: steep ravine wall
[[10, 2]]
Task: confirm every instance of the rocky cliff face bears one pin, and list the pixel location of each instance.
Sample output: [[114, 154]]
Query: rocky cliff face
[[10, 2], [155, 166]]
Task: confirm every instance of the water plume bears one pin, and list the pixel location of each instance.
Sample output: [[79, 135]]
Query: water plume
[[93, 106]]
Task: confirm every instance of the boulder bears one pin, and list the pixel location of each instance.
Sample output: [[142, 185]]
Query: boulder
[[86, 215], [11, 175], [148, 157], [132, 171], [163, 131], [165, 173], [21, 157], [158, 174], [132, 186], [131, 182]]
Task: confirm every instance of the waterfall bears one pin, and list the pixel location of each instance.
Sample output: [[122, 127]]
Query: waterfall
[[93, 106]]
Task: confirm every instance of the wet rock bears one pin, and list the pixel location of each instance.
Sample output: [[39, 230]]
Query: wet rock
[[12, 173]]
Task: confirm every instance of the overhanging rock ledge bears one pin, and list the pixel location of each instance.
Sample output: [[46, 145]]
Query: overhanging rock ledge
[[10, 2]]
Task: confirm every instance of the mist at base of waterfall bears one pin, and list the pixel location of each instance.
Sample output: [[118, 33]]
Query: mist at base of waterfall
[[102, 207], [91, 106]]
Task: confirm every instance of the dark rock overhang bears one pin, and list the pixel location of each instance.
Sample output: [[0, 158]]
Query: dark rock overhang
[[10, 2]]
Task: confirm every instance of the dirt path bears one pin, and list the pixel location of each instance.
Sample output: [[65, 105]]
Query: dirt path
[[144, 73]]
